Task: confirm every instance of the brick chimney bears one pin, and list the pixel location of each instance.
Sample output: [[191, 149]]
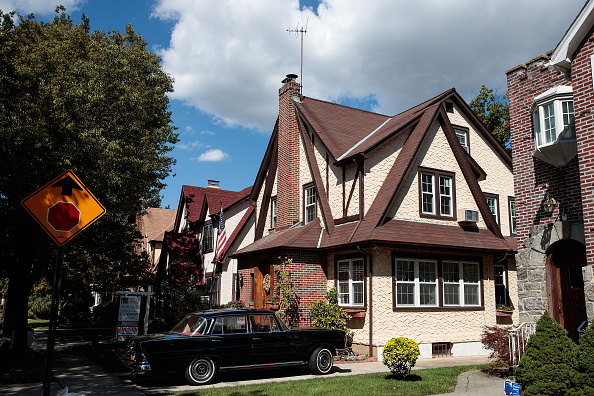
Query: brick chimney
[[288, 155]]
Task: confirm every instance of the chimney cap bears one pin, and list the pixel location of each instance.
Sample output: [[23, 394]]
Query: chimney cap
[[213, 183], [290, 77]]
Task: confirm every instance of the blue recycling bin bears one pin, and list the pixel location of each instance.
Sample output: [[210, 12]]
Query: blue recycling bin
[[512, 388]]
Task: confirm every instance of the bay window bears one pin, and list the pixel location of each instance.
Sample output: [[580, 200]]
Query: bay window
[[553, 115]]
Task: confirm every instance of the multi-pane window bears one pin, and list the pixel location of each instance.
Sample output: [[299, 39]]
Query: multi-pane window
[[437, 193], [310, 203], [500, 285], [207, 238], [553, 115], [445, 195], [427, 195], [493, 203], [462, 136], [461, 284], [512, 216], [351, 279], [273, 208], [416, 283]]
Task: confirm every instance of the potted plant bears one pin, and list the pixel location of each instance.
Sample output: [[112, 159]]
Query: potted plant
[[273, 303], [237, 304], [505, 311]]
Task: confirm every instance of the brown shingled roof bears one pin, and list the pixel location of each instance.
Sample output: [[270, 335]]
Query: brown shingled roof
[[155, 221], [198, 198]]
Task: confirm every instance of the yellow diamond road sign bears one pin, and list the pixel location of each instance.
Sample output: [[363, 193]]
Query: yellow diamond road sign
[[63, 207]]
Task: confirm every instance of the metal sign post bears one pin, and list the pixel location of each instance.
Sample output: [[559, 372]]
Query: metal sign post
[[51, 338], [63, 208]]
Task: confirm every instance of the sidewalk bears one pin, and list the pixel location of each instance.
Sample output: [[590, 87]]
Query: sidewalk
[[83, 376]]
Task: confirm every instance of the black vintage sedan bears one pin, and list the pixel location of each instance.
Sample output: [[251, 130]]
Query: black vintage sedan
[[205, 342]]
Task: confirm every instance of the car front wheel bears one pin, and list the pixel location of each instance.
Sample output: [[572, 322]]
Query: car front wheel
[[201, 371], [320, 362]]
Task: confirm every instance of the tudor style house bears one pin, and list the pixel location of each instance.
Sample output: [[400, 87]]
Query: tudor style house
[[551, 101], [409, 216], [152, 224], [189, 249]]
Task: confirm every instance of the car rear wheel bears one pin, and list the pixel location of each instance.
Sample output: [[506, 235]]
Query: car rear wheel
[[201, 371], [320, 361]]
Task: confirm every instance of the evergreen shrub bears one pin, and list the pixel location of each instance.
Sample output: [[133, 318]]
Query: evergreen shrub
[[584, 364], [547, 366], [41, 307], [400, 355]]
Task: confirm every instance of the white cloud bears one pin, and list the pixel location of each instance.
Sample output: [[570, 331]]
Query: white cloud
[[190, 145], [228, 57], [43, 7], [211, 133], [214, 155]]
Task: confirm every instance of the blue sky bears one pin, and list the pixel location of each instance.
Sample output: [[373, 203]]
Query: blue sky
[[228, 58]]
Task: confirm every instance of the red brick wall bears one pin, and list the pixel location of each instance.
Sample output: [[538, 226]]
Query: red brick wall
[[533, 178], [308, 272], [288, 187], [583, 96]]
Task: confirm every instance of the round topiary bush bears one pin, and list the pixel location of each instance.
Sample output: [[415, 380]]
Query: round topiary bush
[[400, 355]]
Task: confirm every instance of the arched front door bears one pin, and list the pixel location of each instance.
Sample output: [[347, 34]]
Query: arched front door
[[263, 268], [565, 284]]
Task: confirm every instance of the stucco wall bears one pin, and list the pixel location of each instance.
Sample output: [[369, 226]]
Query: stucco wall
[[500, 178], [445, 325], [436, 154]]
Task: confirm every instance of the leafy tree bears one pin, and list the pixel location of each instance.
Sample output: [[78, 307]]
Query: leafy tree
[[95, 103], [547, 366], [493, 111]]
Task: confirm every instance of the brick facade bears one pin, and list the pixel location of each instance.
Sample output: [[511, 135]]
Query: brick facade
[[288, 187], [571, 185], [308, 273]]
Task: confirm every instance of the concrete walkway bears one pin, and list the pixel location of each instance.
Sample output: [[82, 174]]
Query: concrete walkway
[[83, 376]]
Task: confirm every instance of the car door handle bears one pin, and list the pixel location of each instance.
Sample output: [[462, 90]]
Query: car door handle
[[256, 338], [215, 339]]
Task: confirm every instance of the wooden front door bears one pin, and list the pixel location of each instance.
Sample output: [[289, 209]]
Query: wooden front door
[[258, 289], [565, 285], [263, 268]]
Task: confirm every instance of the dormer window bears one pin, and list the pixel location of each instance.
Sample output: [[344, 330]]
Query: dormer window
[[553, 116]]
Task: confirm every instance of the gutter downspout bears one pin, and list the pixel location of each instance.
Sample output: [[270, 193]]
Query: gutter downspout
[[370, 275]]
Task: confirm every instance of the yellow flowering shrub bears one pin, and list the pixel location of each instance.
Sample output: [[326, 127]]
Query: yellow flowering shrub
[[400, 355]]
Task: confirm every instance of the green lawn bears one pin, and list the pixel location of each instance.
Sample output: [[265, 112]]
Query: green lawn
[[420, 382]]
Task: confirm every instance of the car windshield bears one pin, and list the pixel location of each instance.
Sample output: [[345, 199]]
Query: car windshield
[[191, 325]]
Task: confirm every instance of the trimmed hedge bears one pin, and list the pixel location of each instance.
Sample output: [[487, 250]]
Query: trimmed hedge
[[400, 355]]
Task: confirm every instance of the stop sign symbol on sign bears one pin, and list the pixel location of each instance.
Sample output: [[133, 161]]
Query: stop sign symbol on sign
[[63, 216]]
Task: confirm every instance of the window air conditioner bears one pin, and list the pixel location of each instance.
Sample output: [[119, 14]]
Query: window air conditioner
[[467, 216]]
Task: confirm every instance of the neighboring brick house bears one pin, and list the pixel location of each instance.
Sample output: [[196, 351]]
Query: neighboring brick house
[[406, 215], [152, 224], [551, 105], [189, 249]]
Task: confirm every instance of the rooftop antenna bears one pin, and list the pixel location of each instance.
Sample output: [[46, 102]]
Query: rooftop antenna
[[303, 31]]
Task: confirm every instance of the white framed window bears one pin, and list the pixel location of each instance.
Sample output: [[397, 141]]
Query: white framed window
[[553, 114], [351, 282], [427, 194], [309, 196], [273, 210], [462, 136], [461, 284], [493, 203], [416, 282], [436, 194], [512, 215]]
